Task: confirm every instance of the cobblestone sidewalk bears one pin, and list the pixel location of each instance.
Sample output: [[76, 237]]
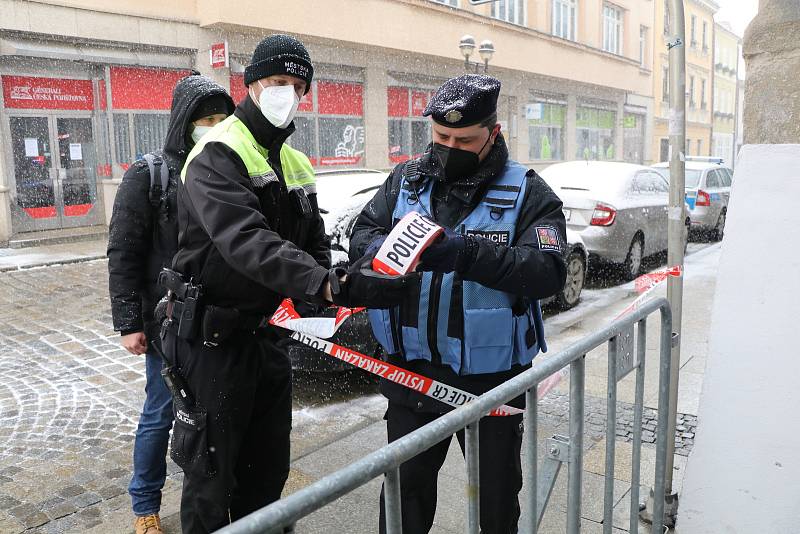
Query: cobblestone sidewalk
[[70, 399]]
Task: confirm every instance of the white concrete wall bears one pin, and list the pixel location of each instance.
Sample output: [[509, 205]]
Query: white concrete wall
[[743, 476]]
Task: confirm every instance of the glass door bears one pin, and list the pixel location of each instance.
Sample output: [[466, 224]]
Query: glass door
[[55, 176], [77, 172], [34, 203]]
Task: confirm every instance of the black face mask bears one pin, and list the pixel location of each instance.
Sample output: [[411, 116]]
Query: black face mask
[[458, 163]]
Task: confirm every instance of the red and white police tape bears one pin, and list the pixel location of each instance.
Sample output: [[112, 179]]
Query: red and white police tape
[[287, 317], [646, 283]]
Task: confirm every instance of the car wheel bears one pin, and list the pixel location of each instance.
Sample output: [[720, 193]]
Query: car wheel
[[633, 262], [719, 230], [576, 277]]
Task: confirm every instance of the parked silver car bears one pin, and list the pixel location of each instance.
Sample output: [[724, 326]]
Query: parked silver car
[[708, 191], [618, 209]]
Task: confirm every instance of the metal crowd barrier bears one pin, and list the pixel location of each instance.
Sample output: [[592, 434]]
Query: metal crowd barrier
[[623, 358]]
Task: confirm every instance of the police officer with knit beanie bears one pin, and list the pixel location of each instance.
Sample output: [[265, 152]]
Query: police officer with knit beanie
[[250, 235]]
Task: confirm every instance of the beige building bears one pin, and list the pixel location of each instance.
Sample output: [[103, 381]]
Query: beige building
[[86, 84], [727, 51], [699, 16]]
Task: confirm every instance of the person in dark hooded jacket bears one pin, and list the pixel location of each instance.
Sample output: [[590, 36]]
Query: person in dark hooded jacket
[[143, 238]]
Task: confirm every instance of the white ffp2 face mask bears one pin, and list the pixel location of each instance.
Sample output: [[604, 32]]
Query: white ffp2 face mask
[[198, 132], [278, 104]]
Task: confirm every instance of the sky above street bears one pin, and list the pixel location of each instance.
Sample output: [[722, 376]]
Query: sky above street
[[738, 12]]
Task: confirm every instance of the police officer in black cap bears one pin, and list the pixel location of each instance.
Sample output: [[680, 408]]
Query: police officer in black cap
[[473, 321]]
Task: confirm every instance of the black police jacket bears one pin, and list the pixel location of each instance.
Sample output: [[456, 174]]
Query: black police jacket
[[249, 247], [521, 269], [143, 238]]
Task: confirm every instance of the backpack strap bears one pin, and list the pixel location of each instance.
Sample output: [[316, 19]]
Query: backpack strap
[[157, 168]]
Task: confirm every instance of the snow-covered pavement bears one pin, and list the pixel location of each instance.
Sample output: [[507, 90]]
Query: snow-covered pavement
[[70, 397]]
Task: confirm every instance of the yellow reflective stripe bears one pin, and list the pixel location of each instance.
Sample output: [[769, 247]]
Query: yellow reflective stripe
[[297, 169]]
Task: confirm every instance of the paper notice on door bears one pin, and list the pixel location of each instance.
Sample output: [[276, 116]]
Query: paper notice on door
[[75, 152], [31, 147]]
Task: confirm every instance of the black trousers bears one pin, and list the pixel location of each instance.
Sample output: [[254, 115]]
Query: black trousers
[[245, 386], [499, 441]]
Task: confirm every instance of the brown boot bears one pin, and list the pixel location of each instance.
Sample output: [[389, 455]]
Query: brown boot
[[148, 524]]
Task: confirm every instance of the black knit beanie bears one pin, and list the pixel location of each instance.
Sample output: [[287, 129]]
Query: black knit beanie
[[210, 106], [280, 54]]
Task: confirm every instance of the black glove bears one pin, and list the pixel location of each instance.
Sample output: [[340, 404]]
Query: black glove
[[365, 287], [375, 245], [308, 309], [451, 252]]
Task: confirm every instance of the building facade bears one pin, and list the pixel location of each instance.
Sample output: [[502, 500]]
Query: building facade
[[699, 18], [86, 84], [727, 51]]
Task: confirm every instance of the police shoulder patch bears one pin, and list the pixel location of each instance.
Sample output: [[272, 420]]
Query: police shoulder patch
[[548, 238]]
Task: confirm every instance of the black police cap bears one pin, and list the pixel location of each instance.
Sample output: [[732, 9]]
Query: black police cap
[[464, 101]]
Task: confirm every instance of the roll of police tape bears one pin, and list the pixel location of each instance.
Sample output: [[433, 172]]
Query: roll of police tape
[[434, 389], [402, 248]]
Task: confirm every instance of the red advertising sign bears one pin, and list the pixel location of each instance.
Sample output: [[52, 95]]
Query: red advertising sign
[[340, 160], [337, 98], [238, 88], [28, 92], [397, 98], [218, 55], [307, 102], [140, 88]]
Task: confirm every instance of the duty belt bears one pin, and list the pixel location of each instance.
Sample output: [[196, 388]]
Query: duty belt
[[217, 323]]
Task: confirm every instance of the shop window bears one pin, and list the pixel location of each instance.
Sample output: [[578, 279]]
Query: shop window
[[122, 139], [330, 124], [341, 140], [633, 137], [304, 137], [149, 132], [546, 127], [409, 131], [595, 130]]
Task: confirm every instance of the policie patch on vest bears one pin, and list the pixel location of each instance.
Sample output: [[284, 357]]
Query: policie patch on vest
[[495, 237], [548, 238]]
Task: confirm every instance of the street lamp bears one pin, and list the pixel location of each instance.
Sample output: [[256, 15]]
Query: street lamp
[[467, 47], [486, 52]]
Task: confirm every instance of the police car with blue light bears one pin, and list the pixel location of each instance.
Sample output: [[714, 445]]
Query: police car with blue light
[[708, 191]]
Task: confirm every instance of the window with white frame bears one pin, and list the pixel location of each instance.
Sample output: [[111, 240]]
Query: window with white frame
[[665, 83], [666, 17], [693, 33], [691, 91], [643, 46], [513, 11], [565, 18], [453, 3], [612, 29]]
